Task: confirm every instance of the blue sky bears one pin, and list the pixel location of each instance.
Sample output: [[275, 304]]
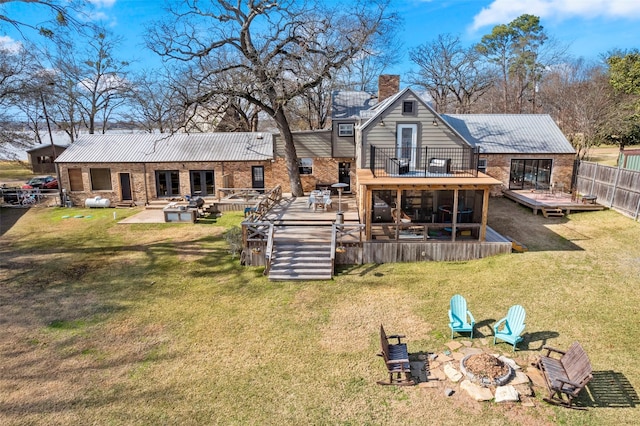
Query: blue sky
[[589, 27]]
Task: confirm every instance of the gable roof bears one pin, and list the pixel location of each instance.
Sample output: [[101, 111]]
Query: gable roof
[[348, 104], [164, 148], [47, 145], [511, 133]]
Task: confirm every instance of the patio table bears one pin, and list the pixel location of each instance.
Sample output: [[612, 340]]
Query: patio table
[[319, 199]]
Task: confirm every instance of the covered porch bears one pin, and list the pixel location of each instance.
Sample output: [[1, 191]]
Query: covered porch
[[424, 209]]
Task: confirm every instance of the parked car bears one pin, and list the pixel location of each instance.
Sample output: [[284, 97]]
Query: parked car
[[42, 182]]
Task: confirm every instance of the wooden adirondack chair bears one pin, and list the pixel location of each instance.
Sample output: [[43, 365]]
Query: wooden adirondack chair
[[396, 359], [510, 327], [460, 319]]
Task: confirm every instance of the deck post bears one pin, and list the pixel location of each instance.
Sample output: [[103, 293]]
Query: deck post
[[485, 214]]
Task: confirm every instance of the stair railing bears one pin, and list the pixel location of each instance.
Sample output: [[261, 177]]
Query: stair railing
[[269, 250]]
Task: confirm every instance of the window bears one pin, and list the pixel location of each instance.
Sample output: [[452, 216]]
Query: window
[[167, 183], [530, 174], [345, 129], [482, 165], [305, 166], [100, 179], [408, 107], [75, 180]]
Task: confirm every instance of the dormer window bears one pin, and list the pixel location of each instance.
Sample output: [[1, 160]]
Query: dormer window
[[408, 107], [345, 129]]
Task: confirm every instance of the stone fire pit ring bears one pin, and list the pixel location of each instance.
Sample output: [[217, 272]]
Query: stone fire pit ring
[[486, 381]]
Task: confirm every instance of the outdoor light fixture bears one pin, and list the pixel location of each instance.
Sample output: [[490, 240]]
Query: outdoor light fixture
[[381, 124], [435, 123]]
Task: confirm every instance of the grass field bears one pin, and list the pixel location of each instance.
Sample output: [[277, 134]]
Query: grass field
[[157, 324], [13, 171]]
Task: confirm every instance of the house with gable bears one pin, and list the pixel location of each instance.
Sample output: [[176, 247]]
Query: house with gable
[[416, 176], [421, 177]]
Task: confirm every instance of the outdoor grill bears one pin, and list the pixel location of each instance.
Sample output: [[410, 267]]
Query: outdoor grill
[[196, 203]]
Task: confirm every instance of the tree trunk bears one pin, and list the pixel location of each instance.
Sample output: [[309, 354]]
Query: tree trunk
[[291, 158]]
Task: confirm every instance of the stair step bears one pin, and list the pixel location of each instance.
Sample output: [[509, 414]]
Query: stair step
[[303, 276], [294, 260]]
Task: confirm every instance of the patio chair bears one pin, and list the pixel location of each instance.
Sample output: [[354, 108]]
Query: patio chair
[[396, 359], [510, 327], [458, 316], [565, 373], [404, 218]]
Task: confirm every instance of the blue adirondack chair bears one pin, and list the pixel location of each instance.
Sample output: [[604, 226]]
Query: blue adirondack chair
[[510, 327], [460, 319]]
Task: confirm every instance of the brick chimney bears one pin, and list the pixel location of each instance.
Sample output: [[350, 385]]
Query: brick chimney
[[388, 85]]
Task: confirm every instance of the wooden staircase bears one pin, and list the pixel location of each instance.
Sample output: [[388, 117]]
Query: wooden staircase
[[301, 261]]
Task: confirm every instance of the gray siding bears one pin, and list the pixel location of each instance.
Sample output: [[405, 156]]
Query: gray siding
[[429, 135], [312, 144], [343, 146]]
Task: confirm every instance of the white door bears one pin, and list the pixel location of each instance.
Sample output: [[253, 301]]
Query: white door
[[407, 143]]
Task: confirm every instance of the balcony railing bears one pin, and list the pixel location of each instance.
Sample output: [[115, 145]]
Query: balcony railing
[[423, 162]]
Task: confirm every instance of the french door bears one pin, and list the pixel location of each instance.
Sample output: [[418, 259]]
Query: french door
[[167, 183], [202, 183], [407, 143]]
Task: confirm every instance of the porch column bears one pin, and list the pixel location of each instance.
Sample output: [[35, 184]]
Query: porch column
[[485, 213]]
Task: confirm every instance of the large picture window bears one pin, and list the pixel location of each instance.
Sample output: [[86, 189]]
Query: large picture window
[[530, 174], [100, 179]]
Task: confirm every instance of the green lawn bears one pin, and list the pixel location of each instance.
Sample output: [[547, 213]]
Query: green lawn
[[11, 171], [157, 324]]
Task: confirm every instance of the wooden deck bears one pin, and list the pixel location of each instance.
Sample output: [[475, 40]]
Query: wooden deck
[[296, 211], [539, 200]]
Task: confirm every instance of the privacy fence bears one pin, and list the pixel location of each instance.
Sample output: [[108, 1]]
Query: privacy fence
[[615, 187]]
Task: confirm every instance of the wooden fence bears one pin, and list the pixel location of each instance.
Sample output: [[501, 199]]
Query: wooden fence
[[615, 187]]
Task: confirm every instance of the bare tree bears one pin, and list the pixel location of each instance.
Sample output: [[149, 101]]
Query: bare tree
[[17, 68], [577, 95], [63, 15], [261, 51], [97, 80], [311, 110], [154, 103], [453, 75]]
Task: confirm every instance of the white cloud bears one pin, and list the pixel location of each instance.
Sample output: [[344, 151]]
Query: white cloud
[[504, 11], [10, 44], [103, 3]]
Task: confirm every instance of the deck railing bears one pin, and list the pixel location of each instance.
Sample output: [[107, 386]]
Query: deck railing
[[263, 206], [423, 162], [345, 237]]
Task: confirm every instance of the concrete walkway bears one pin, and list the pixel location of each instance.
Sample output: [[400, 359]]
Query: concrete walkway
[[145, 216]]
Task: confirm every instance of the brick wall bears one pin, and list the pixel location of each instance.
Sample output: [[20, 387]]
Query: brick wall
[[388, 85], [325, 172], [499, 167], [143, 181]]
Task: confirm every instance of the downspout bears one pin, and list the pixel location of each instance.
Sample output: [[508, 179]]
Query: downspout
[[146, 189]]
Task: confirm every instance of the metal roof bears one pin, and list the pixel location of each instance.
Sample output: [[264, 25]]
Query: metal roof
[[166, 148], [348, 104], [511, 133]]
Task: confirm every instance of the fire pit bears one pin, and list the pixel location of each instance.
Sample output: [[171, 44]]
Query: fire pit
[[486, 370]]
